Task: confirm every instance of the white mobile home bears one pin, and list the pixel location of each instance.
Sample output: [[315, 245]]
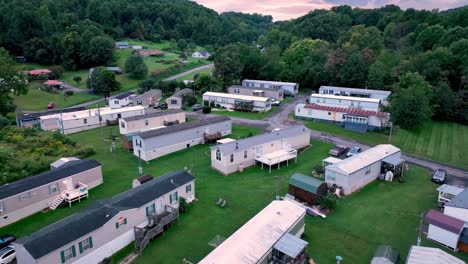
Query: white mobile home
[[238, 102], [357, 171], [156, 143], [74, 122], [356, 92], [269, 148], [107, 226], [271, 236], [288, 87], [151, 121], [121, 100], [351, 118], [429, 255], [149, 98], [370, 104], [277, 94]]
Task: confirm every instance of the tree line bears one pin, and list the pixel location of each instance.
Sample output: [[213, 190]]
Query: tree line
[[422, 56]]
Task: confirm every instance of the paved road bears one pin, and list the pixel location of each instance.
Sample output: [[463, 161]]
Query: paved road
[[75, 89], [209, 66]]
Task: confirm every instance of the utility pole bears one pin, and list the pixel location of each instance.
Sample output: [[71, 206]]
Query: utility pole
[[418, 243], [100, 121], [391, 130], [140, 168]]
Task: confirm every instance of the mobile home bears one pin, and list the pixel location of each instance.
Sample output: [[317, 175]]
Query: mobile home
[[277, 94], [288, 87], [356, 92], [238, 102], [371, 104]]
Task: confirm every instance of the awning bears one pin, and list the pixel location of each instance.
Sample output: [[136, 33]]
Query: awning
[[393, 160], [290, 245], [225, 140], [454, 190], [258, 91]]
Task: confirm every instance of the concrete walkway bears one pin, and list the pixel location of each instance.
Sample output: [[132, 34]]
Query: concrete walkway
[[209, 66]]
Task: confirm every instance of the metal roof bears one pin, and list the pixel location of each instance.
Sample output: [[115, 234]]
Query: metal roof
[[332, 160], [66, 170], [305, 182], [444, 221], [393, 160], [290, 245], [350, 111], [182, 92], [62, 161], [183, 126], [257, 237], [363, 159], [122, 95], [357, 90], [350, 98], [454, 190], [237, 96], [36, 115], [99, 213], [150, 93], [270, 82], [428, 255], [459, 201], [250, 142], [152, 114], [253, 88]]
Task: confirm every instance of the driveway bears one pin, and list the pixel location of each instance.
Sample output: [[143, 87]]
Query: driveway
[[75, 89], [209, 66]]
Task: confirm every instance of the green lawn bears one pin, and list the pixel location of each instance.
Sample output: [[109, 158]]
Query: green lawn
[[67, 77], [247, 115], [190, 76], [440, 141], [37, 100], [381, 213]]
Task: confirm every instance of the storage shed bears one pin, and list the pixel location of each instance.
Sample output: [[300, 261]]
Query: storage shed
[[307, 188], [61, 161], [444, 229], [141, 179]]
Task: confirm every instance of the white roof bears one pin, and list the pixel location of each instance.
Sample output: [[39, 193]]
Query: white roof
[[225, 140], [341, 97], [271, 82], [250, 242], [454, 190], [332, 160], [356, 90], [363, 159], [62, 161], [93, 112], [237, 96], [428, 255]]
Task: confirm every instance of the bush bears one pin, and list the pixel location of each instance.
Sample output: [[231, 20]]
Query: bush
[[212, 104], [56, 72], [218, 106], [328, 201], [4, 122], [183, 205], [68, 93], [206, 103], [318, 169], [136, 67], [206, 109]]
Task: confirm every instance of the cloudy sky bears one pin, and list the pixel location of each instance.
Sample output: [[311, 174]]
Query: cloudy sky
[[287, 9]]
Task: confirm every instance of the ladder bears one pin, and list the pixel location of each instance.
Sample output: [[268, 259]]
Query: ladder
[[58, 201]]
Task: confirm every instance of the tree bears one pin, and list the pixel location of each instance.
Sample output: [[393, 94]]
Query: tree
[[442, 101], [147, 85], [228, 67], [103, 81], [431, 35], [56, 72], [410, 105], [136, 67], [383, 73], [182, 44], [12, 82], [77, 79], [354, 71], [205, 83]]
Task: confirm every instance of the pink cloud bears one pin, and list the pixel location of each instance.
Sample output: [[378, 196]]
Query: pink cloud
[[284, 10]]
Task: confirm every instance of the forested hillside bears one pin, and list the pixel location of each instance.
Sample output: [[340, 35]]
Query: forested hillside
[[80, 33], [421, 55]]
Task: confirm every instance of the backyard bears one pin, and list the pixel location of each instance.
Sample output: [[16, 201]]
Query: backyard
[[382, 213], [440, 141]]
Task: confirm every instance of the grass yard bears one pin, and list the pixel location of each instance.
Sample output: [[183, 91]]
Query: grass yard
[[37, 100], [440, 141], [67, 77], [247, 115], [382, 213], [190, 76]]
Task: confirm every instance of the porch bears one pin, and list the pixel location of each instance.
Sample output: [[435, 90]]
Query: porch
[[212, 137], [155, 226], [289, 250], [277, 157], [70, 196], [447, 193]]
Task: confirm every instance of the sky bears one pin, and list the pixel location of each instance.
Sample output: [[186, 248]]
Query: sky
[[287, 9]]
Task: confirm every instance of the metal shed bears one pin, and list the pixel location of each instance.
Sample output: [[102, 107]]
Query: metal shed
[[307, 188]]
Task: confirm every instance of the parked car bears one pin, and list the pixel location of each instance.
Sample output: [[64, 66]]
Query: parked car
[[51, 105], [275, 102], [439, 176], [5, 240], [338, 150], [160, 105], [353, 151], [197, 107], [7, 255]]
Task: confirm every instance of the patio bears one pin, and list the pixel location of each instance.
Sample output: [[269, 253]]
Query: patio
[[277, 157]]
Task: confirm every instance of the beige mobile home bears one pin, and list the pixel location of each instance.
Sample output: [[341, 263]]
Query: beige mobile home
[[151, 121], [176, 100], [239, 102], [357, 171], [370, 104], [288, 87], [277, 94], [107, 226], [149, 98], [69, 182], [156, 143], [268, 149], [271, 236], [121, 100]]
